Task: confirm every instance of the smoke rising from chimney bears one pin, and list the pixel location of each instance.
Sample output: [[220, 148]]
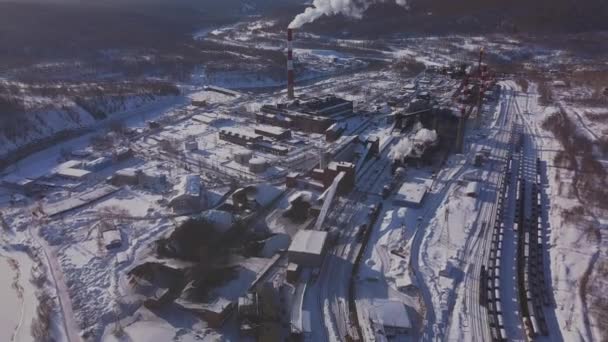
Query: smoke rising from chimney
[[350, 8]]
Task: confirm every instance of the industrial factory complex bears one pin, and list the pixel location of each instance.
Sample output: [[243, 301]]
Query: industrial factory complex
[[299, 215]]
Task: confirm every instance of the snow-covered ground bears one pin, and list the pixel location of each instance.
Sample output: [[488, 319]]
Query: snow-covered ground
[[576, 253]]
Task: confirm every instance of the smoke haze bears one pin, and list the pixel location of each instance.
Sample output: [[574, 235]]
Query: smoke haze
[[350, 8]]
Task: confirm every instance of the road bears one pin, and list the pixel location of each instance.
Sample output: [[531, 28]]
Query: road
[[70, 326]]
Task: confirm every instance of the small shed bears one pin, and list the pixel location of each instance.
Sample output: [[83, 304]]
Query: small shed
[[473, 189], [112, 239]]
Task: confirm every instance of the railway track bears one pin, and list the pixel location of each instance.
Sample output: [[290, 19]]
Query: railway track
[[482, 294], [336, 275], [533, 292], [519, 188]]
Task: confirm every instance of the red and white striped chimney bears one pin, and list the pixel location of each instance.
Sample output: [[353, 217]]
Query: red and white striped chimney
[[290, 74]]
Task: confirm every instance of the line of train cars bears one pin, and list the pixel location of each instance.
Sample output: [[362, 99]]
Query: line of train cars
[[531, 278], [490, 276], [530, 269]]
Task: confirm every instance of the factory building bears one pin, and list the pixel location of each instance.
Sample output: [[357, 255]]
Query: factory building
[[275, 133], [239, 137], [309, 115], [348, 182], [255, 141], [307, 248], [327, 106]]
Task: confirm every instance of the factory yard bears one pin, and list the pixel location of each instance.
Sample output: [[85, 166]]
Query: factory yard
[[372, 205]]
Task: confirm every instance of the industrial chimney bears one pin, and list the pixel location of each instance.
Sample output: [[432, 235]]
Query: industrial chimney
[[290, 74]]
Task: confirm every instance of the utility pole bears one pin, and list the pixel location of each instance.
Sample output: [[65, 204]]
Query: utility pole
[[460, 132], [480, 90]]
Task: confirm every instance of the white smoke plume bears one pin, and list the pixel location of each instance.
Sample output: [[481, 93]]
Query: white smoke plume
[[426, 136], [402, 149], [417, 145], [350, 8]]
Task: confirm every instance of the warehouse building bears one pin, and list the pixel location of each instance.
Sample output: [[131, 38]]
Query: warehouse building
[[391, 317], [307, 248], [276, 133]]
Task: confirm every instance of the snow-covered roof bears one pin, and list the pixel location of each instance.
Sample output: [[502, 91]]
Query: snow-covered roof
[[411, 192], [337, 126], [203, 118], [189, 185], [306, 196], [128, 172], [258, 161], [240, 132], [17, 180], [308, 241], [70, 164], [72, 173], [111, 237], [271, 129], [390, 313], [473, 188], [97, 162]]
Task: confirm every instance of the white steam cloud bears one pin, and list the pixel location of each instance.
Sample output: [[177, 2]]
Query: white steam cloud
[[350, 8], [417, 145], [426, 136], [402, 149]]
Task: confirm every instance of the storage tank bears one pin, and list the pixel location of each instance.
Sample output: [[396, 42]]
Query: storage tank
[[258, 165], [242, 157]]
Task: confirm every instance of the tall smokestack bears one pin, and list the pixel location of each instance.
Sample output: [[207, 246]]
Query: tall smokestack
[[290, 74], [481, 52]]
